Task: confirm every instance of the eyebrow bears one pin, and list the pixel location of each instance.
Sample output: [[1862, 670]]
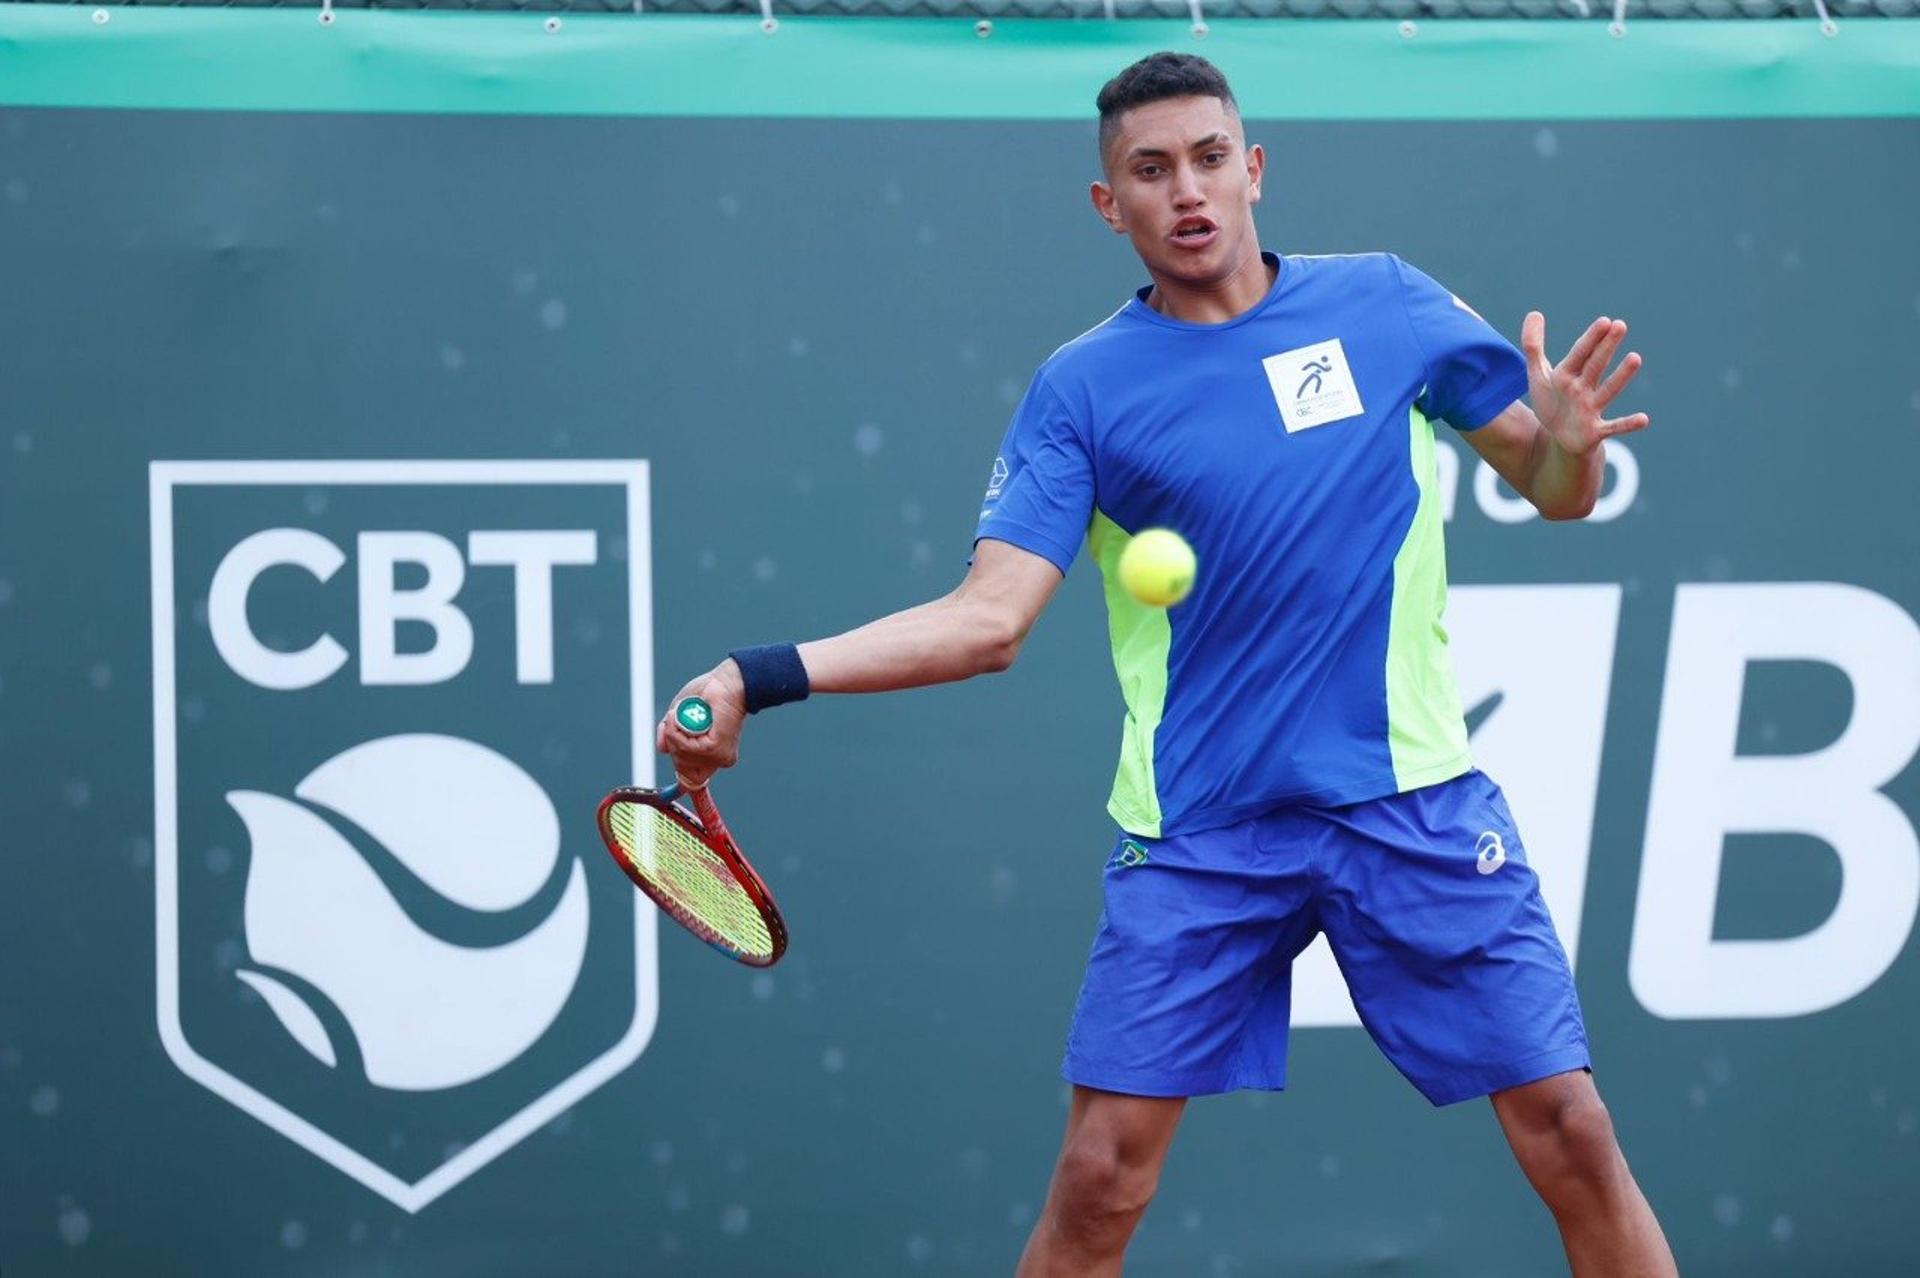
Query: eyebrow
[[1211, 139]]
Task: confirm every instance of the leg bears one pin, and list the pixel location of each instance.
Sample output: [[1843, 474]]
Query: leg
[[1109, 1165], [1454, 964], [1185, 995], [1564, 1141]]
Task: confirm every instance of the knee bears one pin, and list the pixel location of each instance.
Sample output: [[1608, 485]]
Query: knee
[[1102, 1192], [1570, 1148]]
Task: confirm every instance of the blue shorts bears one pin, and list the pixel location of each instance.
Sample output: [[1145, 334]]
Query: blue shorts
[[1431, 909]]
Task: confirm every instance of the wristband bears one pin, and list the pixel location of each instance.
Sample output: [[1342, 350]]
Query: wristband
[[773, 674]]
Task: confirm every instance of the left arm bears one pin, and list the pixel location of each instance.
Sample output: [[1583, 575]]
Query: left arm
[[1554, 453]]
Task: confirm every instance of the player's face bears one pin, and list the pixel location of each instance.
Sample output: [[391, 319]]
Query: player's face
[[1181, 184]]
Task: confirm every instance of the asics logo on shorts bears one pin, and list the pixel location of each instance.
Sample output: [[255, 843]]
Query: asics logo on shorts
[[1489, 853]]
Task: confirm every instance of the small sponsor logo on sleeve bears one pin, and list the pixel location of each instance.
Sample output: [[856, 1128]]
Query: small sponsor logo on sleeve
[[998, 479]]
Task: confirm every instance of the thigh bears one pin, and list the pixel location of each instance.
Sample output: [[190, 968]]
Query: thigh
[[1438, 924], [1134, 1132], [1187, 988]]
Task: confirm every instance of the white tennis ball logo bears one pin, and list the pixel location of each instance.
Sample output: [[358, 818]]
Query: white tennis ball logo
[[474, 829]]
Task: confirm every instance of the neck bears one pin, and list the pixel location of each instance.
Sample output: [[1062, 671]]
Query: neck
[[1213, 301]]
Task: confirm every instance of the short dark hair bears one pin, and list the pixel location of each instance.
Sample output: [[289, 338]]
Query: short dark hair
[[1155, 78]]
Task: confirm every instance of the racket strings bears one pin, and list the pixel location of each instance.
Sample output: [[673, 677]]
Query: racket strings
[[691, 875]]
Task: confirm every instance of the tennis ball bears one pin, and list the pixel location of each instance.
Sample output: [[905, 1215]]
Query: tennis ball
[[1157, 567]]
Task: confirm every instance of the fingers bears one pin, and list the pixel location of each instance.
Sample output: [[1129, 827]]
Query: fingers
[[1533, 337], [1603, 351], [1617, 380], [1576, 359], [1623, 425], [695, 762], [698, 755], [692, 776], [715, 748]]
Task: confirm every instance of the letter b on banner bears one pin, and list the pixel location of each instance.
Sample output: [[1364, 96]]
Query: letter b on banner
[[1703, 791]]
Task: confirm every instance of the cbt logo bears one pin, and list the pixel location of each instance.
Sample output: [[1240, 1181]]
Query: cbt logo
[[387, 696]]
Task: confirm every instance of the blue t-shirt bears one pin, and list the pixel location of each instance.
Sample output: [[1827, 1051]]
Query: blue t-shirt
[[1292, 447]]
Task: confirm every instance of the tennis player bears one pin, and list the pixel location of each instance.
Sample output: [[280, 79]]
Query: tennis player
[[1294, 759]]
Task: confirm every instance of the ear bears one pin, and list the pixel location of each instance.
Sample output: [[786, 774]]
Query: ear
[[1256, 169], [1107, 207]]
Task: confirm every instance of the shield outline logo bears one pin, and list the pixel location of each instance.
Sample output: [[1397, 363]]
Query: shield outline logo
[[162, 478]]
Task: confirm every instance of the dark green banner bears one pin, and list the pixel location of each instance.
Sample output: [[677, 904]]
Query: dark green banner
[[397, 410]]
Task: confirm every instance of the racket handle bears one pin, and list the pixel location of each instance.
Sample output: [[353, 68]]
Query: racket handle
[[693, 715], [709, 814]]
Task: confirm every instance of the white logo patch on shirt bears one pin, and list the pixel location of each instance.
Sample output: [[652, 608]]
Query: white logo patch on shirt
[[1313, 385]]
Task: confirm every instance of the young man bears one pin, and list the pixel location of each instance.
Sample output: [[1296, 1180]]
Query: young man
[[1294, 758]]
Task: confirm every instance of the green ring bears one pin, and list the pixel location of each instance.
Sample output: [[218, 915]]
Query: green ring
[[693, 715]]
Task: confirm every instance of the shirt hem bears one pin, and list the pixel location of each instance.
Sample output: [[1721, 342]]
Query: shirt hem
[[1132, 822], [1434, 773], [1032, 541], [1484, 408], [1360, 791]]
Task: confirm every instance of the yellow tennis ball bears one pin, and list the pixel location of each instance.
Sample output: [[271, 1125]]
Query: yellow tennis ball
[[1157, 567]]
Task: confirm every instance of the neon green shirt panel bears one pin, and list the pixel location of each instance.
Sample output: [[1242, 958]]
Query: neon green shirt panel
[[1142, 638], [1426, 734]]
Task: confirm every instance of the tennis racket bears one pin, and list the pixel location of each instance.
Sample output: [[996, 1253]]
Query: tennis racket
[[688, 863]]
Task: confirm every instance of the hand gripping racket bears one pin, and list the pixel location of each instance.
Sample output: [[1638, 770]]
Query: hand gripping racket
[[688, 863]]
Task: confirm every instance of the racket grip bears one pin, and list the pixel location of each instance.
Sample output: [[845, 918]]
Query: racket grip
[[709, 815], [693, 715]]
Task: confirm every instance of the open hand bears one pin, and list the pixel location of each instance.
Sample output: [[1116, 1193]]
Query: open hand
[[1570, 398]]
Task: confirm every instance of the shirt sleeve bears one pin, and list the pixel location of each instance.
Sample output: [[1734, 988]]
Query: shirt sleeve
[[1040, 491], [1472, 372]]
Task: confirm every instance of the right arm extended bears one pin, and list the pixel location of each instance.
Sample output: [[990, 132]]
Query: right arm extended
[[976, 629]]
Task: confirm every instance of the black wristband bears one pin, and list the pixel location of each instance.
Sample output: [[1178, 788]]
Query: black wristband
[[774, 675]]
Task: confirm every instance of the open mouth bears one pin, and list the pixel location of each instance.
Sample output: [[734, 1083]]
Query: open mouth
[[1193, 231]]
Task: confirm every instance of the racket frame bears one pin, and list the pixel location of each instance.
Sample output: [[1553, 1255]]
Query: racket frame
[[705, 825]]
